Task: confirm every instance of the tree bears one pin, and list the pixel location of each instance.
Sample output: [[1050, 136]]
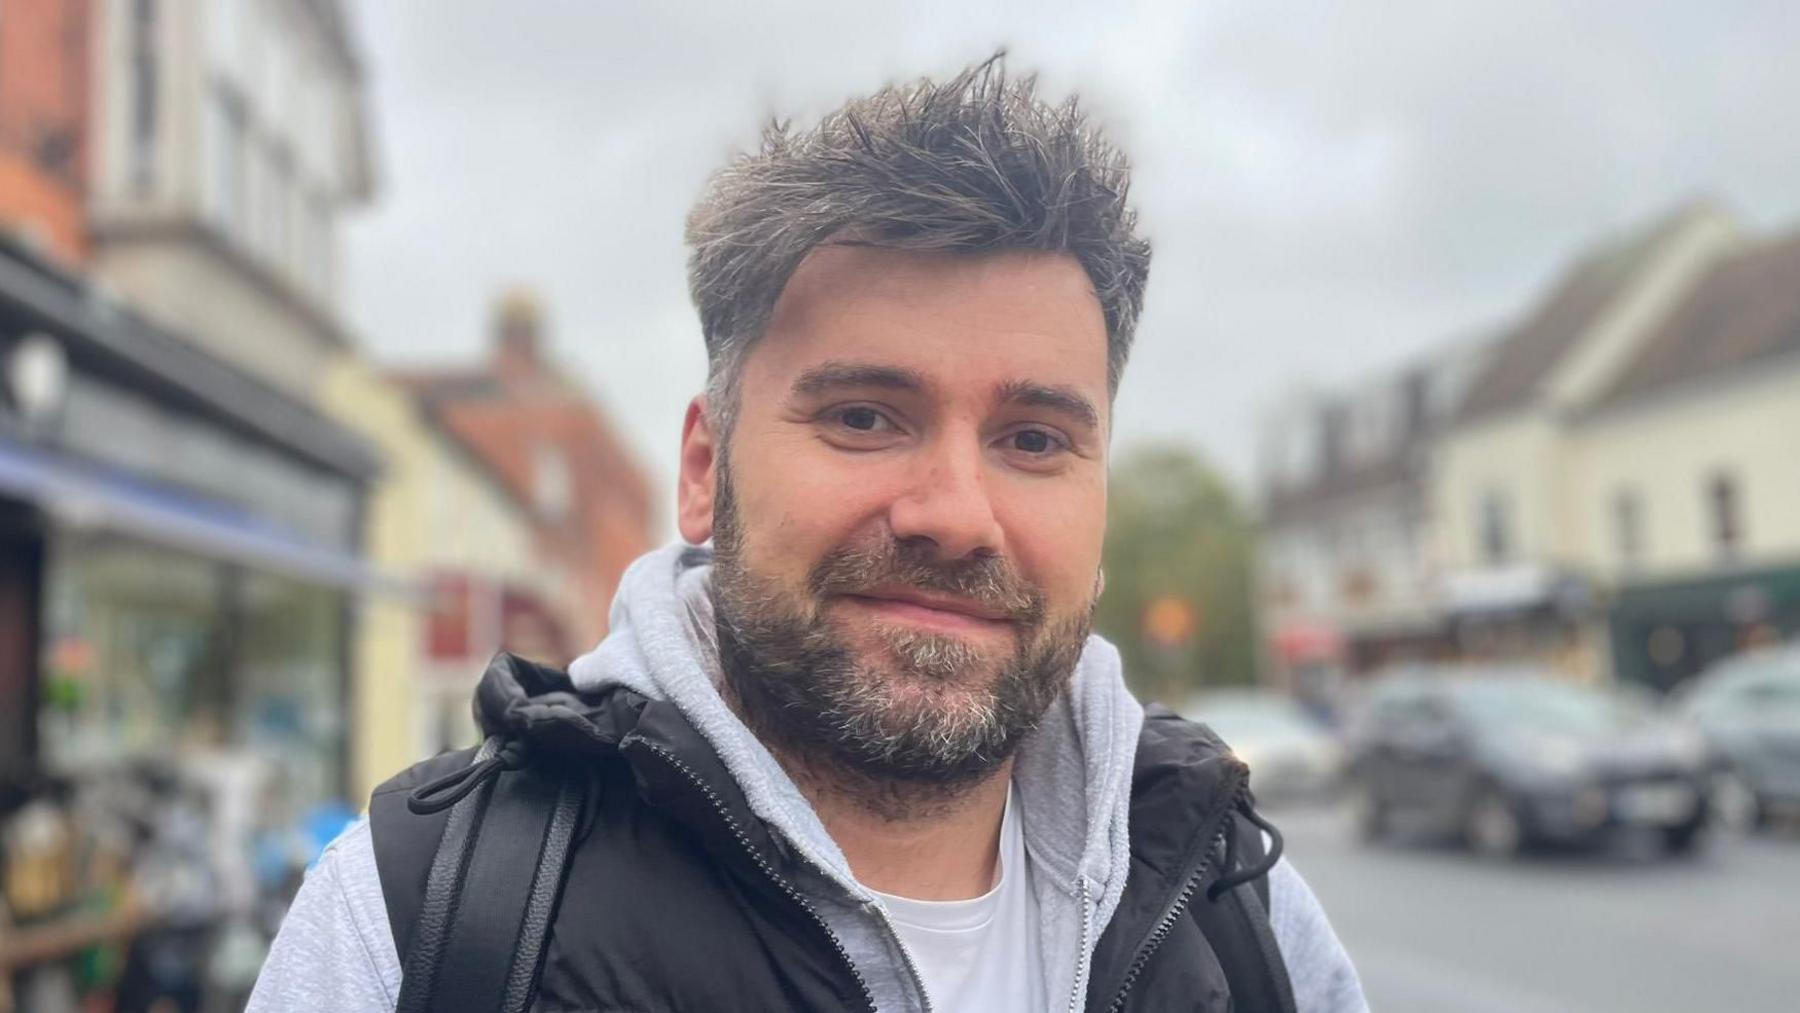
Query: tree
[[1179, 561]]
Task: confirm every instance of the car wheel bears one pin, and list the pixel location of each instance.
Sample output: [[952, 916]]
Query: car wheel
[[1367, 811], [1492, 826], [1733, 803], [1685, 839]]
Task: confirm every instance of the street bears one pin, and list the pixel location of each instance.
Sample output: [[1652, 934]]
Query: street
[[1433, 928]]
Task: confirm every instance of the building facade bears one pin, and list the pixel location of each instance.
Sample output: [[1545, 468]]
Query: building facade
[[44, 119], [228, 140], [1506, 475], [1349, 575], [1686, 477], [464, 548], [1609, 492], [551, 445], [182, 547]]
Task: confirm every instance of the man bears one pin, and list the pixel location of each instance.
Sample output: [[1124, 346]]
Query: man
[[864, 753]]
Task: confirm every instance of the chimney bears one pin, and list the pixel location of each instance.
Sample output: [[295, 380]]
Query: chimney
[[517, 322]]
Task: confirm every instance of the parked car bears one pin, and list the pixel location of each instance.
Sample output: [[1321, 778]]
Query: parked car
[[1290, 754], [1511, 759], [1748, 706]]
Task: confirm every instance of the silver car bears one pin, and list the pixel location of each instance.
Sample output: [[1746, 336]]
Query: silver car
[[1748, 706], [1290, 755]]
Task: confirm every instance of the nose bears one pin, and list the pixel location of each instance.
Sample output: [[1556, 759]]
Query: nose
[[947, 502]]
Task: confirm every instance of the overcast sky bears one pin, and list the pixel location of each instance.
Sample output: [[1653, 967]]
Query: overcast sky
[[1330, 188]]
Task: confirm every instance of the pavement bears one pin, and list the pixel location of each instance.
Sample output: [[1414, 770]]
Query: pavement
[[1625, 928]]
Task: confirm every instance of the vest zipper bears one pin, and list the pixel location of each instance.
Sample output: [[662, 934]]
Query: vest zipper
[[768, 870], [1177, 905]]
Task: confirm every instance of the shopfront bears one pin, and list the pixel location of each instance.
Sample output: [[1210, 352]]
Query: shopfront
[[1666, 632], [194, 541]]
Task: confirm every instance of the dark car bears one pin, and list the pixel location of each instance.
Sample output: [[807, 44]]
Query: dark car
[[1748, 706], [1508, 759]]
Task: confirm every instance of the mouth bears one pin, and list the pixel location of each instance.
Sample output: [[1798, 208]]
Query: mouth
[[940, 613]]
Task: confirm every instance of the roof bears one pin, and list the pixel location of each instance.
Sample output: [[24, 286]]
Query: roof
[[1526, 354], [1746, 310], [1320, 498], [468, 403]]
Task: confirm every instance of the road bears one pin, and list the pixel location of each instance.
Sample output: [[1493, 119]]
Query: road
[[1433, 929]]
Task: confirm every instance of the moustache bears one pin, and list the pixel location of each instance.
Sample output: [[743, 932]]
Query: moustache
[[987, 581]]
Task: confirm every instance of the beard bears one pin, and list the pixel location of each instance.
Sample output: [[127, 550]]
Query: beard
[[908, 719]]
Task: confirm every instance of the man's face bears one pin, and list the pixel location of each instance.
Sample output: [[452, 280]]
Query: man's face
[[909, 515]]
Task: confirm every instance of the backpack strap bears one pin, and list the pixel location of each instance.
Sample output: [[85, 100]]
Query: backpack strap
[[494, 881], [1236, 924]]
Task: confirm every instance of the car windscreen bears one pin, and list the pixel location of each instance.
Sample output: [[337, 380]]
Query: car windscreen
[[1548, 707], [1259, 719]]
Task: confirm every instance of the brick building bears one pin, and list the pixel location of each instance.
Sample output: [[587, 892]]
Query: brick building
[[44, 74], [553, 447]]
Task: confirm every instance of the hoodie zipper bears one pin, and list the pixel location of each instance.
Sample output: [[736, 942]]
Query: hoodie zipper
[[1176, 908], [1085, 954], [768, 870]]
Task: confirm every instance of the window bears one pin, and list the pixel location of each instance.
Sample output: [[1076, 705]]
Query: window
[[552, 487], [1727, 520], [277, 212], [1628, 525], [144, 83], [225, 176], [1496, 538]]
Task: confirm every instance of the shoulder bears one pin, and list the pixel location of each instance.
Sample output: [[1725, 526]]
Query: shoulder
[[334, 950], [1319, 967]]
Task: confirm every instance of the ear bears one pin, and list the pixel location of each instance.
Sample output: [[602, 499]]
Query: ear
[[695, 485]]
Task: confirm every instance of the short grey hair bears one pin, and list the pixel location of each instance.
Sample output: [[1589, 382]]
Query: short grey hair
[[977, 163]]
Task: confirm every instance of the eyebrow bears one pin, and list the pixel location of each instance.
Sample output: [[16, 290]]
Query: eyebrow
[[831, 375], [1066, 400]]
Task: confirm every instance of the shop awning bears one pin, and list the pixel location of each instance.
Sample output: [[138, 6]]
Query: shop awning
[[88, 498]]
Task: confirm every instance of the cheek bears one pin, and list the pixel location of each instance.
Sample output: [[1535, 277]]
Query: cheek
[[1057, 538], [796, 505]]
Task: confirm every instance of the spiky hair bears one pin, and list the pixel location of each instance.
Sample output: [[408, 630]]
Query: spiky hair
[[977, 163]]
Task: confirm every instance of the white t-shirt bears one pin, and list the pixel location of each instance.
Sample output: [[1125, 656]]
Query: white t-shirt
[[983, 954]]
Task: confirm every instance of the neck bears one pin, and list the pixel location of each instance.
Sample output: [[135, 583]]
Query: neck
[[923, 845]]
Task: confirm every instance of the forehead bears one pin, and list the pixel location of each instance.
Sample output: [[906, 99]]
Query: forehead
[[992, 317]]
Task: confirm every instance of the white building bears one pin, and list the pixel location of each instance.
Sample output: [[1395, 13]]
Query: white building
[[229, 140], [1684, 474], [1508, 478], [1348, 568]]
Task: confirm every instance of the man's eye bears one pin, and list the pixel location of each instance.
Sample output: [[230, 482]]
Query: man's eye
[[1033, 441], [865, 420]]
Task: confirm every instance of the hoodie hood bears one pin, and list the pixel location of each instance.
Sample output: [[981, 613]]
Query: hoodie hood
[[663, 646]]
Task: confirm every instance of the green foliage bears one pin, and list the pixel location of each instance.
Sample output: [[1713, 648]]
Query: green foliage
[[1175, 531]]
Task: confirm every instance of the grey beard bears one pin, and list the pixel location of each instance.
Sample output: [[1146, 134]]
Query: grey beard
[[898, 740]]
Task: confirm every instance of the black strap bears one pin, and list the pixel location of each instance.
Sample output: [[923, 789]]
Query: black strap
[[1235, 922], [491, 895]]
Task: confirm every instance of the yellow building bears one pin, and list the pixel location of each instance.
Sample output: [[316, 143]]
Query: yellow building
[[1685, 477], [1506, 499], [462, 548]]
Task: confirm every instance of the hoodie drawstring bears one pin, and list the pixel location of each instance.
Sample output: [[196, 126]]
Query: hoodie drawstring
[[1234, 878], [456, 785]]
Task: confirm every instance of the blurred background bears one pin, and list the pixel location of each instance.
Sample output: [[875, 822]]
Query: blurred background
[[1456, 476]]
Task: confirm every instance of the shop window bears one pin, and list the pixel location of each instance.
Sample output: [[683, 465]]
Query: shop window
[[154, 653], [1727, 514]]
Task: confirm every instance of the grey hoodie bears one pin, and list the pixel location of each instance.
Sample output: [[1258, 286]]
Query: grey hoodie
[[335, 950]]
